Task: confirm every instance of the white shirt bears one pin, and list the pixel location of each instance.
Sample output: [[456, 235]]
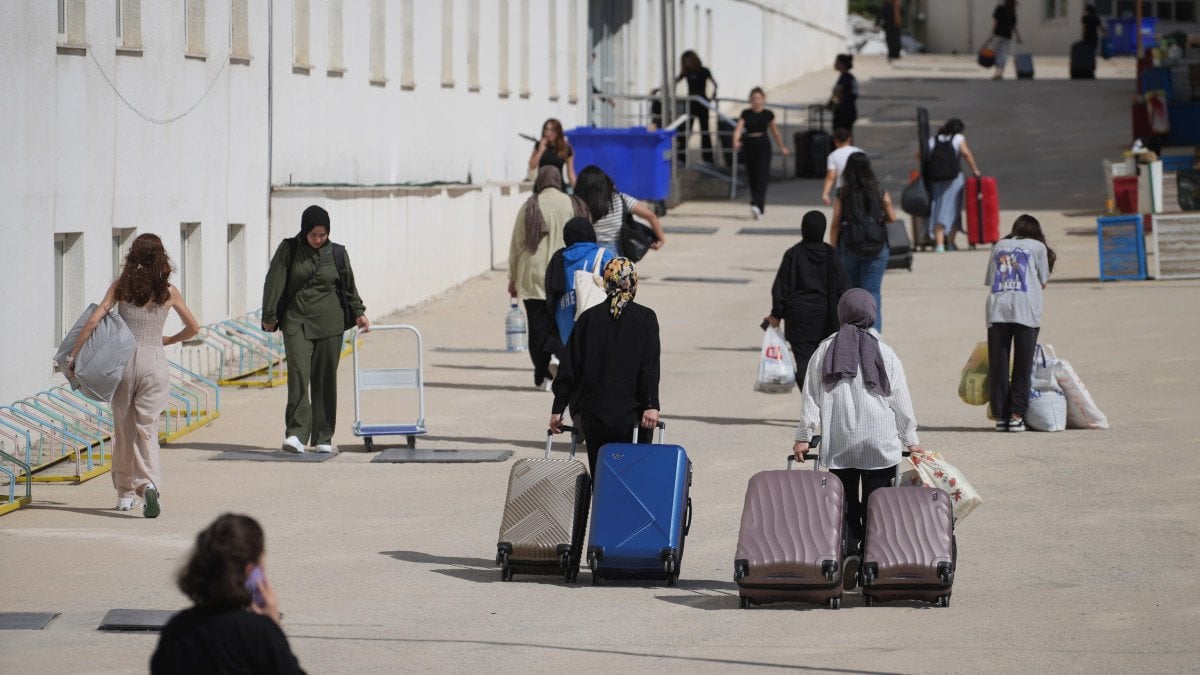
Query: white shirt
[[837, 162], [860, 429]]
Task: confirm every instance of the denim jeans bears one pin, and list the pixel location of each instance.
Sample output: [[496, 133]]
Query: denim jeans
[[866, 272]]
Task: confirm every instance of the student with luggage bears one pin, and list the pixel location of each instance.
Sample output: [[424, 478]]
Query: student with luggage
[[552, 149], [1018, 269], [612, 366], [608, 208], [233, 627], [844, 101], [1091, 27], [698, 77], [1004, 28], [143, 296], [944, 175], [843, 144], [750, 139], [537, 234], [856, 396], [861, 211], [310, 295], [581, 254], [807, 287]]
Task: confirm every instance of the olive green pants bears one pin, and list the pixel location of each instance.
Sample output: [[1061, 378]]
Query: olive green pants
[[312, 364]]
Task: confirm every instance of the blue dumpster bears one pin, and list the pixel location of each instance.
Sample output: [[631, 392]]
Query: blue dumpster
[[1123, 33], [638, 161]]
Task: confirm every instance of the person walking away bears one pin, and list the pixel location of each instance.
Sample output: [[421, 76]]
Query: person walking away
[[608, 206], [856, 394], [1018, 269], [1091, 27], [581, 253], [889, 20], [537, 233], [308, 282], [1004, 28], [805, 295], [552, 149], [233, 627], [861, 212], [143, 296], [843, 144], [750, 138], [944, 174], [844, 101], [698, 77], [612, 366]]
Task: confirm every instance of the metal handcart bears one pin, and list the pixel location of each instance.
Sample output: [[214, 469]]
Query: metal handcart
[[389, 378]]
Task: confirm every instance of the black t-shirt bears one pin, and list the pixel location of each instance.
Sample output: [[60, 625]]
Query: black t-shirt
[[1006, 21], [757, 122], [697, 81], [222, 640], [551, 158], [849, 86], [1091, 28]]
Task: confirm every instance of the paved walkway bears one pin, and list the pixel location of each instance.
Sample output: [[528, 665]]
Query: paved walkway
[[1079, 559]]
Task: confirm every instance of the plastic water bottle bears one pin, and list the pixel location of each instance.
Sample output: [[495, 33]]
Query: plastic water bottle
[[515, 339]]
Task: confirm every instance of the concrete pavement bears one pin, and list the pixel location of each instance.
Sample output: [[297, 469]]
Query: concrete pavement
[[1077, 561]]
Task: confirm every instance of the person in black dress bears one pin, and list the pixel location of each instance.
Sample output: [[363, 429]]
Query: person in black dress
[[750, 139], [612, 367], [234, 625], [844, 101], [698, 77], [1092, 27], [554, 150], [889, 20], [806, 291]]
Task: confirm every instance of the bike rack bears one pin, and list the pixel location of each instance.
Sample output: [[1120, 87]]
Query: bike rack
[[10, 432]]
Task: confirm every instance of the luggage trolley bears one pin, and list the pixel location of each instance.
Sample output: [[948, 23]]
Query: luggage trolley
[[389, 378]]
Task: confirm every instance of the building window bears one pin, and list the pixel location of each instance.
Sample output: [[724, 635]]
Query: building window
[[235, 270], [378, 43], [447, 43], [239, 32], [337, 64], [300, 57], [473, 45], [122, 239], [68, 282], [1056, 9], [191, 266], [572, 51], [193, 20], [502, 50], [129, 26], [525, 49], [552, 35], [72, 36], [408, 78]]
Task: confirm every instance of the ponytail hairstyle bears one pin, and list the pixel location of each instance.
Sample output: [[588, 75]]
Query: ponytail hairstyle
[[1028, 227], [215, 574], [146, 275]]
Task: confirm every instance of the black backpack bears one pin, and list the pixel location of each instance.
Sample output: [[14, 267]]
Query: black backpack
[[865, 236], [943, 161]]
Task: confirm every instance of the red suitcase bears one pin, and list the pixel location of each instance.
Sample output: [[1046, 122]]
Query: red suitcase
[[983, 211]]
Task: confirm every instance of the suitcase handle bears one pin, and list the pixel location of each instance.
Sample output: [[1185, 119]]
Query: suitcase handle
[[662, 432], [687, 522], [574, 439], [812, 443]]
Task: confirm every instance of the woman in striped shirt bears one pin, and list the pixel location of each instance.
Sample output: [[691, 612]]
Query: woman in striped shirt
[[608, 208]]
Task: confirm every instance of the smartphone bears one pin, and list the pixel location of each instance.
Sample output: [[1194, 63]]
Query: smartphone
[[764, 324], [253, 580]]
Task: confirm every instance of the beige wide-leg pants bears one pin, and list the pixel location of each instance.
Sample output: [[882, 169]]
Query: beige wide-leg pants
[[137, 406]]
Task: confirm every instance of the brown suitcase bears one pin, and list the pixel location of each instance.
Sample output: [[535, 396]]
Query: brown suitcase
[[545, 514], [790, 542], [910, 550]]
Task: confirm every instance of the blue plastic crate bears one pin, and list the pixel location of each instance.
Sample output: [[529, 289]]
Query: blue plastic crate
[[1123, 33], [1158, 78], [637, 160], [1122, 243], [1178, 162]]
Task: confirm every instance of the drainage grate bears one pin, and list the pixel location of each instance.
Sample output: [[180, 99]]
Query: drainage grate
[[276, 456], [426, 456], [688, 229], [473, 350], [708, 280], [780, 231], [26, 620], [136, 619]]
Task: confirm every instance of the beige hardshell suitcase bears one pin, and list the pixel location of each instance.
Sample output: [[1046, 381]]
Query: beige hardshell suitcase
[[545, 514]]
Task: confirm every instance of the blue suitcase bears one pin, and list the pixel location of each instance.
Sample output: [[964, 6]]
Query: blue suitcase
[[641, 511]]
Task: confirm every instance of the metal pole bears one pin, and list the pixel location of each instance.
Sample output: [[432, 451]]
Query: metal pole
[[665, 92], [1137, 27]]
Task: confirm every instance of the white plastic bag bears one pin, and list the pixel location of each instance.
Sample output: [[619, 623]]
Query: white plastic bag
[[589, 286], [1047, 409], [1082, 412], [776, 369], [930, 469]]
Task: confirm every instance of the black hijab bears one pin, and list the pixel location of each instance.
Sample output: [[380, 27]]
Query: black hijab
[[812, 239], [314, 217], [579, 230]]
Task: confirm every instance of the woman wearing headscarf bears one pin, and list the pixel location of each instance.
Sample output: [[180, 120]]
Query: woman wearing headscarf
[[582, 253], [808, 285], [538, 233], [856, 396], [309, 293], [612, 366]]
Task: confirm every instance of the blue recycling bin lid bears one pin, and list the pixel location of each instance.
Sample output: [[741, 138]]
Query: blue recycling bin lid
[[637, 160]]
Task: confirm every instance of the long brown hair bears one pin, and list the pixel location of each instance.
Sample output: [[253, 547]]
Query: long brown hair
[[1028, 227], [146, 275], [689, 62], [215, 573], [560, 142]]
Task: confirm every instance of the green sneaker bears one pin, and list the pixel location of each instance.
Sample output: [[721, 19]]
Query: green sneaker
[[152, 508]]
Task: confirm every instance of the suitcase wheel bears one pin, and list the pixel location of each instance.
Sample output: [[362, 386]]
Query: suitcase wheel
[[593, 565], [669, 570], [369, 443], [745, 603], [835, 603], [943, 601], [868, 601], [412, 442]]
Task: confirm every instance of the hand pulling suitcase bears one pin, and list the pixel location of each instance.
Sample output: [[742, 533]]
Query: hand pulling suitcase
[[983, 211], [791, 539], [1024, 66], [545, 514], [641, 511], [900, 254], [910, 551]]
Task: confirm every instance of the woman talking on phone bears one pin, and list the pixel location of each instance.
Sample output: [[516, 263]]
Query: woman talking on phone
[[552, 149], [234, 625]]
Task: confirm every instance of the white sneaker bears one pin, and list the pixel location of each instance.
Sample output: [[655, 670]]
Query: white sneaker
[[325, 448], [546, 385], [756, 212], [125, 503], [293, 444]]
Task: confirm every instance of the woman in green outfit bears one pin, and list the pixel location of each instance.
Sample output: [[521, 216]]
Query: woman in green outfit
[[310, 294]]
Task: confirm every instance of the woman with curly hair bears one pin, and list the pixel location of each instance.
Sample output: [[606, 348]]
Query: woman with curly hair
[[234, 625], [143, 296], [612, 366]]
